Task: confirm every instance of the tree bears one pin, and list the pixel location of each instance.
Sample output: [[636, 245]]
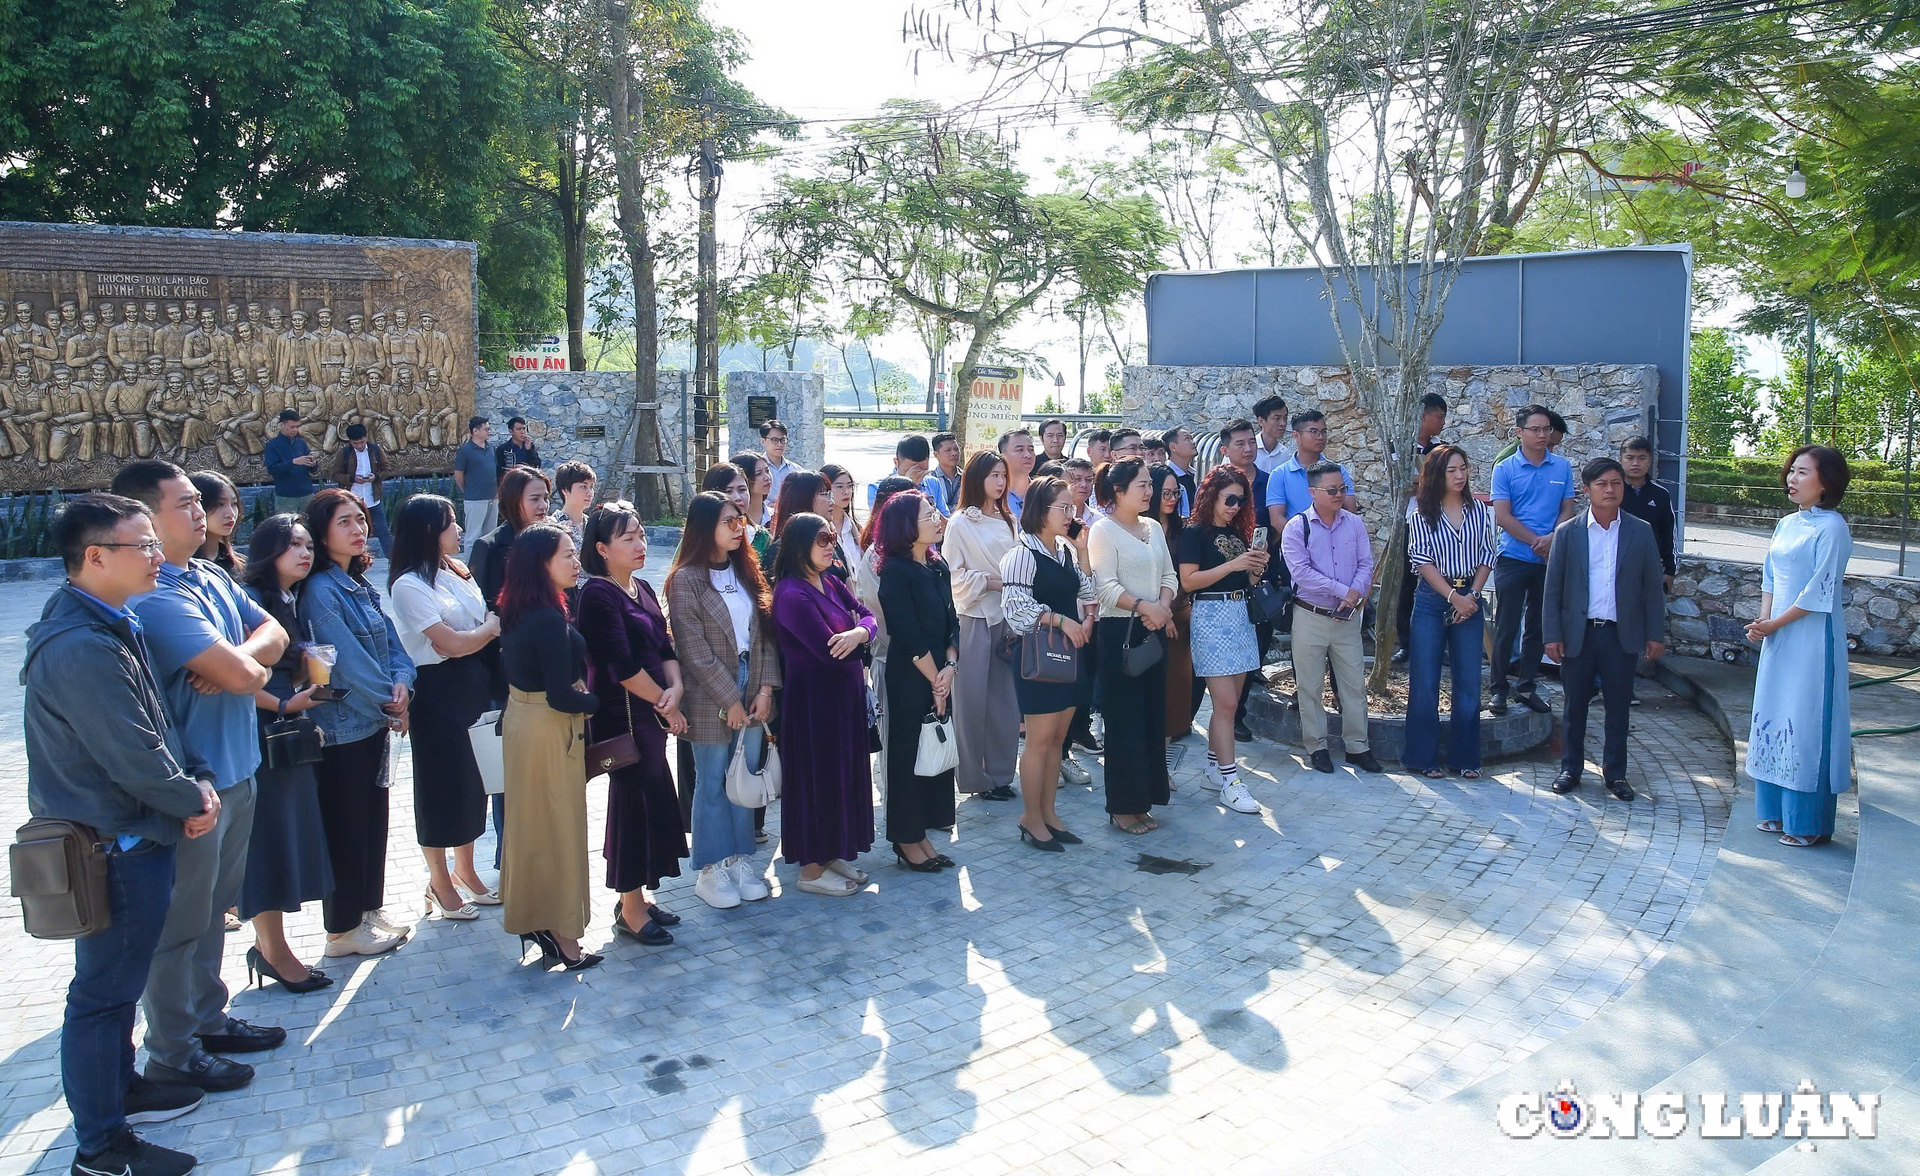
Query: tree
[[911, 206], [1723, 404]]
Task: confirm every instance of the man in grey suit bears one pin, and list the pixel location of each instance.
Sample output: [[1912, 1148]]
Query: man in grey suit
[[1604, 607]]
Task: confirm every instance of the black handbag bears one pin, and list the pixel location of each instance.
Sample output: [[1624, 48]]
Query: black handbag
[[1137, 657], [1046, 655], [1268, 602], [291, 742]]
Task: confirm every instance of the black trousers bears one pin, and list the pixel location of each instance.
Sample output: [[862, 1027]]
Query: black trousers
[[1600, 654], [353, 809], [1520, 586], [1403, 610]]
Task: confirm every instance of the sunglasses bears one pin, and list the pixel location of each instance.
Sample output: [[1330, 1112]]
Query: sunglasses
[[1231, 501], [823, 542], [738, 522]]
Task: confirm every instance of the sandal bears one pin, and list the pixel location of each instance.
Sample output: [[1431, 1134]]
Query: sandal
[[1135, 828], [1770, 827], [1470, 774], [1799, 842], [1434, 774]]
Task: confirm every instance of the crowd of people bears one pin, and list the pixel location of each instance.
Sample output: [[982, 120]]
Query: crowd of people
[[954, 643]]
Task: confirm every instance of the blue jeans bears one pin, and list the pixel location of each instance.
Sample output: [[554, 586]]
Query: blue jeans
[[1431, 635], [721, 828], [109, 973]]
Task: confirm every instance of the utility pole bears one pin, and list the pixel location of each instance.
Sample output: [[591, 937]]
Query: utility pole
[[706, 327], [1806, 425]]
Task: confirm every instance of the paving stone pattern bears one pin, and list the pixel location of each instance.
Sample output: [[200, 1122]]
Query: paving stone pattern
[[1364, 946]]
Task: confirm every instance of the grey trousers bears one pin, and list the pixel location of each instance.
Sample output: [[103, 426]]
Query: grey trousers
[[184, 994], [483, 515], [986, 712]]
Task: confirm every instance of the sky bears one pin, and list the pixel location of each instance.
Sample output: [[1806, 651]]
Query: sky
[[844, 58]]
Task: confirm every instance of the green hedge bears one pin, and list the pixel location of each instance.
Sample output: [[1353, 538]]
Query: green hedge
[[1755, 482]]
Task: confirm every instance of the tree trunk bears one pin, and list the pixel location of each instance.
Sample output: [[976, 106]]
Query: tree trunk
[[631, 219], [963, 382], [573, 236]]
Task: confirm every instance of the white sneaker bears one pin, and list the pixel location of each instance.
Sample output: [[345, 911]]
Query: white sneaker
[[716, 888], [1073, 773], [1210, 778], [1236, 797], [748, 882], [380, 922], [366, 939]]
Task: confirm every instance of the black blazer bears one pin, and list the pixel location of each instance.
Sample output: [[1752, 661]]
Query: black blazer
[[918, 602], [1638, 597], [489, 563]]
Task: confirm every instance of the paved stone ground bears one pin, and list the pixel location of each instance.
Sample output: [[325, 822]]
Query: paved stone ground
[[1364, 946]]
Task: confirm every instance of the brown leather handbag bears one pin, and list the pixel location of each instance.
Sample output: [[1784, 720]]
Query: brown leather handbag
[[59, 873], [621, 751]]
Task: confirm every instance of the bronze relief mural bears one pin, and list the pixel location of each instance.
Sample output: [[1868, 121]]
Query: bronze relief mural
[[118, 343]]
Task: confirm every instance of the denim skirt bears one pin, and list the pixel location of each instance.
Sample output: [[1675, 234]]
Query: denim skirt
[[1222, 639]]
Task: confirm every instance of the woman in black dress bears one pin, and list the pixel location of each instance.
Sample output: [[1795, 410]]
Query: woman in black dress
[[632, 669], [287, 863], [923, 643]]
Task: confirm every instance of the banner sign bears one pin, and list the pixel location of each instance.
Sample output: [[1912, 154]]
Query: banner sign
[[543, 355], [993, 406]]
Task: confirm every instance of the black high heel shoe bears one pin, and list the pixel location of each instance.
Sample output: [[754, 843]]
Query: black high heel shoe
[[1044, 846], [550, 953], [259, 971], [1063, 837], [930, 866], [943, 861]]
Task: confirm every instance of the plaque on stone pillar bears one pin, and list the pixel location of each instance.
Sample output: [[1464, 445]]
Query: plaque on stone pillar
[[760, 410], [122, 343]]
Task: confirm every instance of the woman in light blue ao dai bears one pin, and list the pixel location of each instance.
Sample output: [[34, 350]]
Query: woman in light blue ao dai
[[1800, 750]]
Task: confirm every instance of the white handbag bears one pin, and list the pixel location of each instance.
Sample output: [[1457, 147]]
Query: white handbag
[[745, 786], [937, 752], [487, 753]]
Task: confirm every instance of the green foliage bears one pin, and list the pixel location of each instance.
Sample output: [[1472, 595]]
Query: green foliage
[[1863, 403], [1875, 492], [1723, 405]]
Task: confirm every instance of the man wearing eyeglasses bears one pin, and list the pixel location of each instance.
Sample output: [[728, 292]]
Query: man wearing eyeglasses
[[1288, 495], [1533, 492], [103, 751], [1331, 561]]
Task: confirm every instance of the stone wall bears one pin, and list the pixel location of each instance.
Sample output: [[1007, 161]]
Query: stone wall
[[1604, 405], [1714, 599], [558, 404], [800, 402]]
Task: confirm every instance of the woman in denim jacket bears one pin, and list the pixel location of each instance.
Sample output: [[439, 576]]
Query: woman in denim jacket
[[340, 608]]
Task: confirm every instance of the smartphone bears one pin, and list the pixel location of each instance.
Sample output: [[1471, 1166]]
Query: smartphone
[[1259, 538], [1344, 612], [331, 693], [1074, 527]]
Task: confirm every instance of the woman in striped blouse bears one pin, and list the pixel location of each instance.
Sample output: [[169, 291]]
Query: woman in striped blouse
[[1450, 538]]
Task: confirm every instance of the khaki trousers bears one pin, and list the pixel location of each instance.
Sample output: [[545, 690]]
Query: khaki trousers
[[1318, 640], [543, 881]]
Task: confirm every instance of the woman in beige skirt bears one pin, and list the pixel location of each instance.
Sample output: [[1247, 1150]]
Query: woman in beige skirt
[[543, 879]]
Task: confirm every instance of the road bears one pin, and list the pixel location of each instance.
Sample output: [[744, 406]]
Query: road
[[868, 453]]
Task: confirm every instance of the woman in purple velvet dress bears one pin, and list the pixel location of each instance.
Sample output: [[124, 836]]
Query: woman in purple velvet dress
[[827, 785], [632, 669]]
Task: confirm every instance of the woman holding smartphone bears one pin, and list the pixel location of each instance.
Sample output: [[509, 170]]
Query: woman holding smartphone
[[1218, 568]]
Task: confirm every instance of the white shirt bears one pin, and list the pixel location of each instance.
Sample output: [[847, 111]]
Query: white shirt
[[451, 599], [364, 469], [1603, 562], [739, 608], [1268, 460]]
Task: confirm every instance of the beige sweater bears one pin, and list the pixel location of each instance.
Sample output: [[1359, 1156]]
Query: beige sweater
[[1123, 564], [973, 547]]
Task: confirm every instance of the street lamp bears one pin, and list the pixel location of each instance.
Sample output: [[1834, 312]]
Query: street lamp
[[1796, 187]]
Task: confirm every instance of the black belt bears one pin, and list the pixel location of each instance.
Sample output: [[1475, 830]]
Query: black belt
[[1314, 608], [1220, 595], [1606, 624]]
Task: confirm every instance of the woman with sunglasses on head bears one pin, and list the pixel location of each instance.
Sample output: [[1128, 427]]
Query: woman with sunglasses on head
[[1045, 588], [986, 715], [827, 787], [632, 667], [717, 606], [1136, 580], [448, 631], [923, 646], [1218, 568], [543, 882], [287, 863]]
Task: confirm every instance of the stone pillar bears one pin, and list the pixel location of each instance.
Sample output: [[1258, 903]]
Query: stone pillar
[[799, 400]]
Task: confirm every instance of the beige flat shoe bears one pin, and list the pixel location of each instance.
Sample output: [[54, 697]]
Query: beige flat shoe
[[830, 884]]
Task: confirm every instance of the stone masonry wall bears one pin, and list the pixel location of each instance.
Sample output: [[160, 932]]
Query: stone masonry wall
[[1714, 599], [1604, 405], [801, 400], [557, 404]]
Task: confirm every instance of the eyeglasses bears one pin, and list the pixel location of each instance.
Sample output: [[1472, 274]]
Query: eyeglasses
[[146, 547], [1060, 506], [1311, 432], [1231, 501], [1536, 429]]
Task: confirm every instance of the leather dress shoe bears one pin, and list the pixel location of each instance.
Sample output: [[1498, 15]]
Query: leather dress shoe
[[1240, 732], [1566, 782], [1497, 705], [241, 1037], [1621, 789], [1000, 792], [1322, 761], [205, 1071], [1365, 761], [1533, 702]]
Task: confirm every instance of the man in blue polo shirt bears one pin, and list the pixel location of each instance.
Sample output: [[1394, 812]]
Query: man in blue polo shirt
[[210, 646], [1533, 492], [1288, 495]]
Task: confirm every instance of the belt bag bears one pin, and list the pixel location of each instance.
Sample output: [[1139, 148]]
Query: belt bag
[[1047, 656], [1137, 657], [937, 753], [747, 787], [59, 873], [291, 743]]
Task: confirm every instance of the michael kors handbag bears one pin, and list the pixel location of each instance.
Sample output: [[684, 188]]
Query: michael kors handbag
[[1046, 655]]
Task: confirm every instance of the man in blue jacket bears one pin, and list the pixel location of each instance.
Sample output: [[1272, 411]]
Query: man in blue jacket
[[102, 751], [290, 463]]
